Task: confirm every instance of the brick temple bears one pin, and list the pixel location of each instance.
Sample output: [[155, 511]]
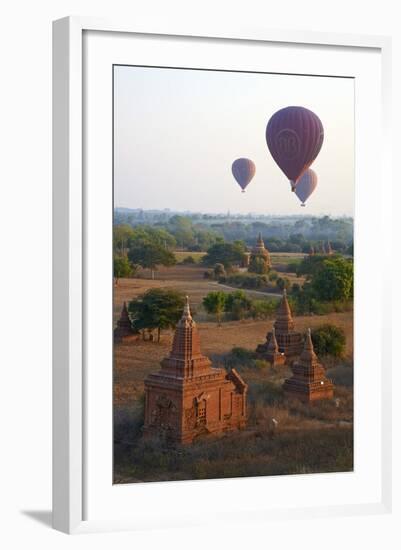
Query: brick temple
[[124, 332], [308, 382], [260, 252], [289, 341], [187, 397]]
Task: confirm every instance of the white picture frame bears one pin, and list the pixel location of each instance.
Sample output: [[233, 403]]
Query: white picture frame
[[71, 238]]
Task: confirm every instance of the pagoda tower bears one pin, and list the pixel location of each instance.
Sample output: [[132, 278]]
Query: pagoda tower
[[273, 355], [124, 332], [187, 397], [259, 256], [308, 382], [288, 339]]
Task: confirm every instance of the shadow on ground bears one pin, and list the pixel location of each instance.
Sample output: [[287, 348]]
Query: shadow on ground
[[41, 516]]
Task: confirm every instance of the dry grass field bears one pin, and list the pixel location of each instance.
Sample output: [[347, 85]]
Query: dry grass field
[[311, 438]]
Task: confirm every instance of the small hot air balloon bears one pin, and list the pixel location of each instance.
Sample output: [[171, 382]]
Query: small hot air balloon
[[294, 136], [243, 171], [306, 185]]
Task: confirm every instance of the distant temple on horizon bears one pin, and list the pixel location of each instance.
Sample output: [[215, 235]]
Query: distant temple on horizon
[[259, 258], [124, 331], [289, 341], [187, 397], [308, 382]]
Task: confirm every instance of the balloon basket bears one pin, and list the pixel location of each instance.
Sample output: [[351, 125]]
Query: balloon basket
[[303, 204]]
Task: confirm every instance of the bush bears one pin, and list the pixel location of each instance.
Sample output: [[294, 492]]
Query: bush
[[263, 309], [247, 280], [283, 283], [219, 271], [329, 340], [189, 260]]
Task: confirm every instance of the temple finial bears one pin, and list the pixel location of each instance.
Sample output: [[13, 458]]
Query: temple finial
[[308, 352], [187, 311]]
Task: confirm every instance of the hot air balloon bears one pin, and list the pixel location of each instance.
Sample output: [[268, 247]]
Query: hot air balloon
[[294, 136], [306, 185], [243, 171]]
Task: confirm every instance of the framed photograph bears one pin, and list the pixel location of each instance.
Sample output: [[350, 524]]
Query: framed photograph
[[218, 340]]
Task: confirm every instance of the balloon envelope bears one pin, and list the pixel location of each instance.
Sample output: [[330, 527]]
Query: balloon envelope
[[294, 136], [306, 185], [243, 171]]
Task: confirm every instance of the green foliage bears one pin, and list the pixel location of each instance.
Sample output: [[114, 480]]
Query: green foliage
[[121, 267], [283, 283], [241, 358], [219, 271], [329, 340], [225, 253], [247, 280], [122, 238], [189, 260], [238, 304], [263, 309], [157, 309], [273, 276], [310, 265], [258, 265], [333, 280], [149, 256], [214, 303]]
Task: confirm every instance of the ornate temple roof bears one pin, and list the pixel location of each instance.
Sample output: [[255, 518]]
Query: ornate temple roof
[[284, 321], [259, 249], [185, 358]]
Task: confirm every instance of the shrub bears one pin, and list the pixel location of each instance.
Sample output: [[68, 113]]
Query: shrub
[[189, 260], [263, 309], [283, 283], [219, 271], [329, 340]]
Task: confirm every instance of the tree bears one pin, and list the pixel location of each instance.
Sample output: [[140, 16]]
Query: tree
[[157, 309], [283, 283], [333, 280], [182, 229], [150, 256], [214, 303], [329, 340], [219, 271], [121, 267], [238, 304], [122, 236], [225, 253], [258, 265]]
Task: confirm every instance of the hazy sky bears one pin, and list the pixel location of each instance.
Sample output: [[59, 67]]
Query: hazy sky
[[177, 133]]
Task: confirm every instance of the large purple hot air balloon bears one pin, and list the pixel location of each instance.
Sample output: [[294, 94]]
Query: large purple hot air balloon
[[243, 171], [306, 185], [294, 136]]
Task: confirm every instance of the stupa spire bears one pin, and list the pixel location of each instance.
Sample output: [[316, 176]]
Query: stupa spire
[[273, 346], [309, 380], [186, 314], [284, 319], [185, 359], [308, 354]]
